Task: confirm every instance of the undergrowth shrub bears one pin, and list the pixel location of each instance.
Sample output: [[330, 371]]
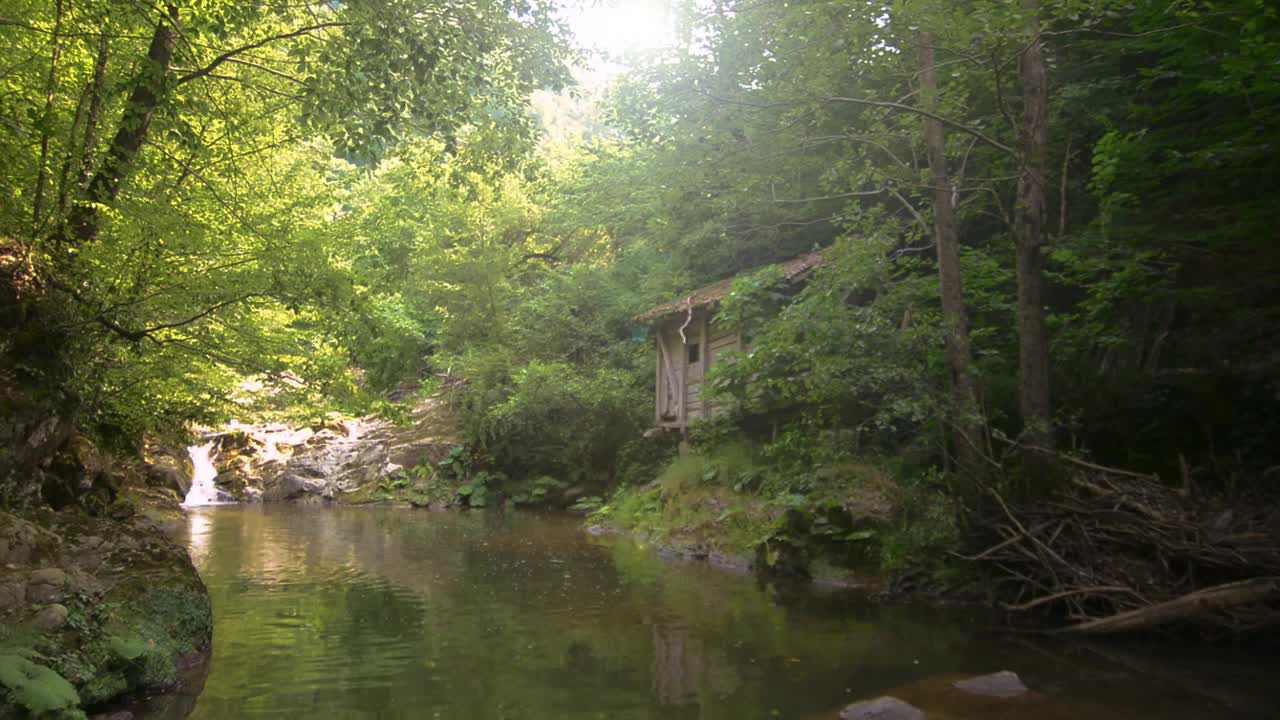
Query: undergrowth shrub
[[805, 497], [925, 528], [734, 465], [642, 458], [552, 418]]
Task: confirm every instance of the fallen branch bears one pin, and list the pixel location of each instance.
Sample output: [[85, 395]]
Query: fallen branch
[[1112, 550], [1213, 599], [1002, 545], [1068, 593]]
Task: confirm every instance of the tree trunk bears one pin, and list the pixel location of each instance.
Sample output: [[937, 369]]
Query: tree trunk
[[1033, 346], [93, 117], [148, 89], [51, 87], [965, 416], [79, 157]]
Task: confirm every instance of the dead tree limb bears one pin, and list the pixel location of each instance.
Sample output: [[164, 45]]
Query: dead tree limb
[[1213, 599]]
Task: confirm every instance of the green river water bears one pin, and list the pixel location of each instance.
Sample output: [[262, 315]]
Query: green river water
[[391, 613]]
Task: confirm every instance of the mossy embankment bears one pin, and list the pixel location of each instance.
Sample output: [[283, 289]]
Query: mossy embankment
[[97, 600], [867, 522], [92, 608]]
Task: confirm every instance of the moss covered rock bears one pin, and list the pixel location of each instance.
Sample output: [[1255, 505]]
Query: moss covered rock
[[128, 602]]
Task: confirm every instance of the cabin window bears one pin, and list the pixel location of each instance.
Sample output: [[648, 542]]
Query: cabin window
[[695, 353]]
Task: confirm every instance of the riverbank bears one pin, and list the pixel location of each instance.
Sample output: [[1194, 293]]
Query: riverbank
[[860, 528], [855, 525], [92, 609], [97, 600]]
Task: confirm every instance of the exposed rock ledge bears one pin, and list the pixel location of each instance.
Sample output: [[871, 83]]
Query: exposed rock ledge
[[278, 463]]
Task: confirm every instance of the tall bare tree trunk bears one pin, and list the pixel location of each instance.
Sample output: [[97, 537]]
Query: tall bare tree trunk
[[965, 415], [1033, 346]]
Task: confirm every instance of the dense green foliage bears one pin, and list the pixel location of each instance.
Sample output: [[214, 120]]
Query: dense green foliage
[[38, 689], [345, 201], [177, 182]]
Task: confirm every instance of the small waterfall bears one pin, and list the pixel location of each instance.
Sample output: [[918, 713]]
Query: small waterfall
[[203, 491]]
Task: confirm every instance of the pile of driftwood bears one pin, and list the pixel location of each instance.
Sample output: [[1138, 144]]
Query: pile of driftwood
[[1114, 551]]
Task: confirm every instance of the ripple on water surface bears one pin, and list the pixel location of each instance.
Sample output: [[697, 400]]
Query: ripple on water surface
[[381, 613]]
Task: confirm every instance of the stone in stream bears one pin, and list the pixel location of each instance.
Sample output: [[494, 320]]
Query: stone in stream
[[955, 696], [882, 708], [1004, 684]]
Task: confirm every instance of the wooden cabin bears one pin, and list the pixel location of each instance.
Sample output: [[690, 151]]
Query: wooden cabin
[[688, 343]]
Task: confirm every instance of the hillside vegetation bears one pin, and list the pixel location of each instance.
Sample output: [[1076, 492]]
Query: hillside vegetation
[[1043, 337]]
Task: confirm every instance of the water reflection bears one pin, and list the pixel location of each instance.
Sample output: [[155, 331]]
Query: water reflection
[[684, 668], [379, 613], [199, 528]]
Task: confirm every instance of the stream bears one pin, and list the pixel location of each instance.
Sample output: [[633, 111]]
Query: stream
[[390, 613]]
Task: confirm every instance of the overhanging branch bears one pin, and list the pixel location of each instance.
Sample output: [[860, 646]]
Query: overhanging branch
[[931, 115], [230, 54], [141, 334]]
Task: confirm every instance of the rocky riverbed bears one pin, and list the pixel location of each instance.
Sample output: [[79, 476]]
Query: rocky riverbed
[[342, 459]]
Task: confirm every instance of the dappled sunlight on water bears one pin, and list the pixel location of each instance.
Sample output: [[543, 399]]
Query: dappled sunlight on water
[[383, 613]]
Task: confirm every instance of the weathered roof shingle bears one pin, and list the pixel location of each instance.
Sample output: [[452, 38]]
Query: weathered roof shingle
[[793, 270]]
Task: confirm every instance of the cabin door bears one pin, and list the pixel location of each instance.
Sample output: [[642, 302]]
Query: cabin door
[[695, 356], [670, 380]]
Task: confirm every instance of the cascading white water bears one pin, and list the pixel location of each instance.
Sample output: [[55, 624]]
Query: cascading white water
[[203, 491]]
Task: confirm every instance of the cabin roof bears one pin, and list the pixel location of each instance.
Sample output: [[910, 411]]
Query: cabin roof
[[793, 270]]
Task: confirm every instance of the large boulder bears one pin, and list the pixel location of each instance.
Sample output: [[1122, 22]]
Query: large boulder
[[167, 467], [47, 585], [23, 542], [417, 451], [112, 605], [32, 434], [12, 595], [297, 483], [50, 617], [78, 473]]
